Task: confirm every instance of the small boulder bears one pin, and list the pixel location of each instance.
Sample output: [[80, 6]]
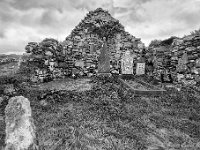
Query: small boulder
[[43, 103]]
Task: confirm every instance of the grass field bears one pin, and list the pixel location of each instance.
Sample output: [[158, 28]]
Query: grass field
[[107, 117], [8, 69]]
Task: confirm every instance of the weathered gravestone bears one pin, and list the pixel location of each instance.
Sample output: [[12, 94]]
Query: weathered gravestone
[[20, 129], [127, 63], [140, 69], [104, 60], [41, 75]]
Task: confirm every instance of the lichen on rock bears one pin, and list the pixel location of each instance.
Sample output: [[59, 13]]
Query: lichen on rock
[[20, 129]]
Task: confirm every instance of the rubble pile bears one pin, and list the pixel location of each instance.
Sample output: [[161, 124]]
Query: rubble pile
[[47, 58]]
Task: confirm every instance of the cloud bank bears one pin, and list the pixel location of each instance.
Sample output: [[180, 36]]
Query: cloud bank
[[22, 21]]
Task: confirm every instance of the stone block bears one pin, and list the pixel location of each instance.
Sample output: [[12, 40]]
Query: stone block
[[20, 129]]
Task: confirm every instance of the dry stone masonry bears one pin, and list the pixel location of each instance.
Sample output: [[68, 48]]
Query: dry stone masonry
[[80, 52], [85, 44], [178, 56]]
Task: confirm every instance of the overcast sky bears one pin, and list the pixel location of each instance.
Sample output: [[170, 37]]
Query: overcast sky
[[22, 21]]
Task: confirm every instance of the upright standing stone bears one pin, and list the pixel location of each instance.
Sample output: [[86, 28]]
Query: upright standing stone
[[41, 75], [127, 63], [20, 129], [140, 68], [104, 60]]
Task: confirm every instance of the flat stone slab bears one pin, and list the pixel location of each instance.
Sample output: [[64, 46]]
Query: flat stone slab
[[66, 84], [149, 91]]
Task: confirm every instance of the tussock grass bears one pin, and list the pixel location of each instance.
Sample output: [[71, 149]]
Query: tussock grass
[[108, 117]]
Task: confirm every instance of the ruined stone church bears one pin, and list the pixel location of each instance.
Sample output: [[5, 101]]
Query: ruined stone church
[[86, 39]]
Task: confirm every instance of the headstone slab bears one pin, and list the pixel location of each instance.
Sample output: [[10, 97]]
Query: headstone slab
[[140, 69], [104, 60], [127, 63]]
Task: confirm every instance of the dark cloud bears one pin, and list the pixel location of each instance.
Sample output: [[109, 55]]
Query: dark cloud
[[22, 21]]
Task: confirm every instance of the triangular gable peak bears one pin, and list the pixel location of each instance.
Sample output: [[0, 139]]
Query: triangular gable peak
[[91, 30]]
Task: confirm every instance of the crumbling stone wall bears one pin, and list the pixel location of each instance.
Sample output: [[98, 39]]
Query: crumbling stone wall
[[86, 45], [79, 52], [183, 55]]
